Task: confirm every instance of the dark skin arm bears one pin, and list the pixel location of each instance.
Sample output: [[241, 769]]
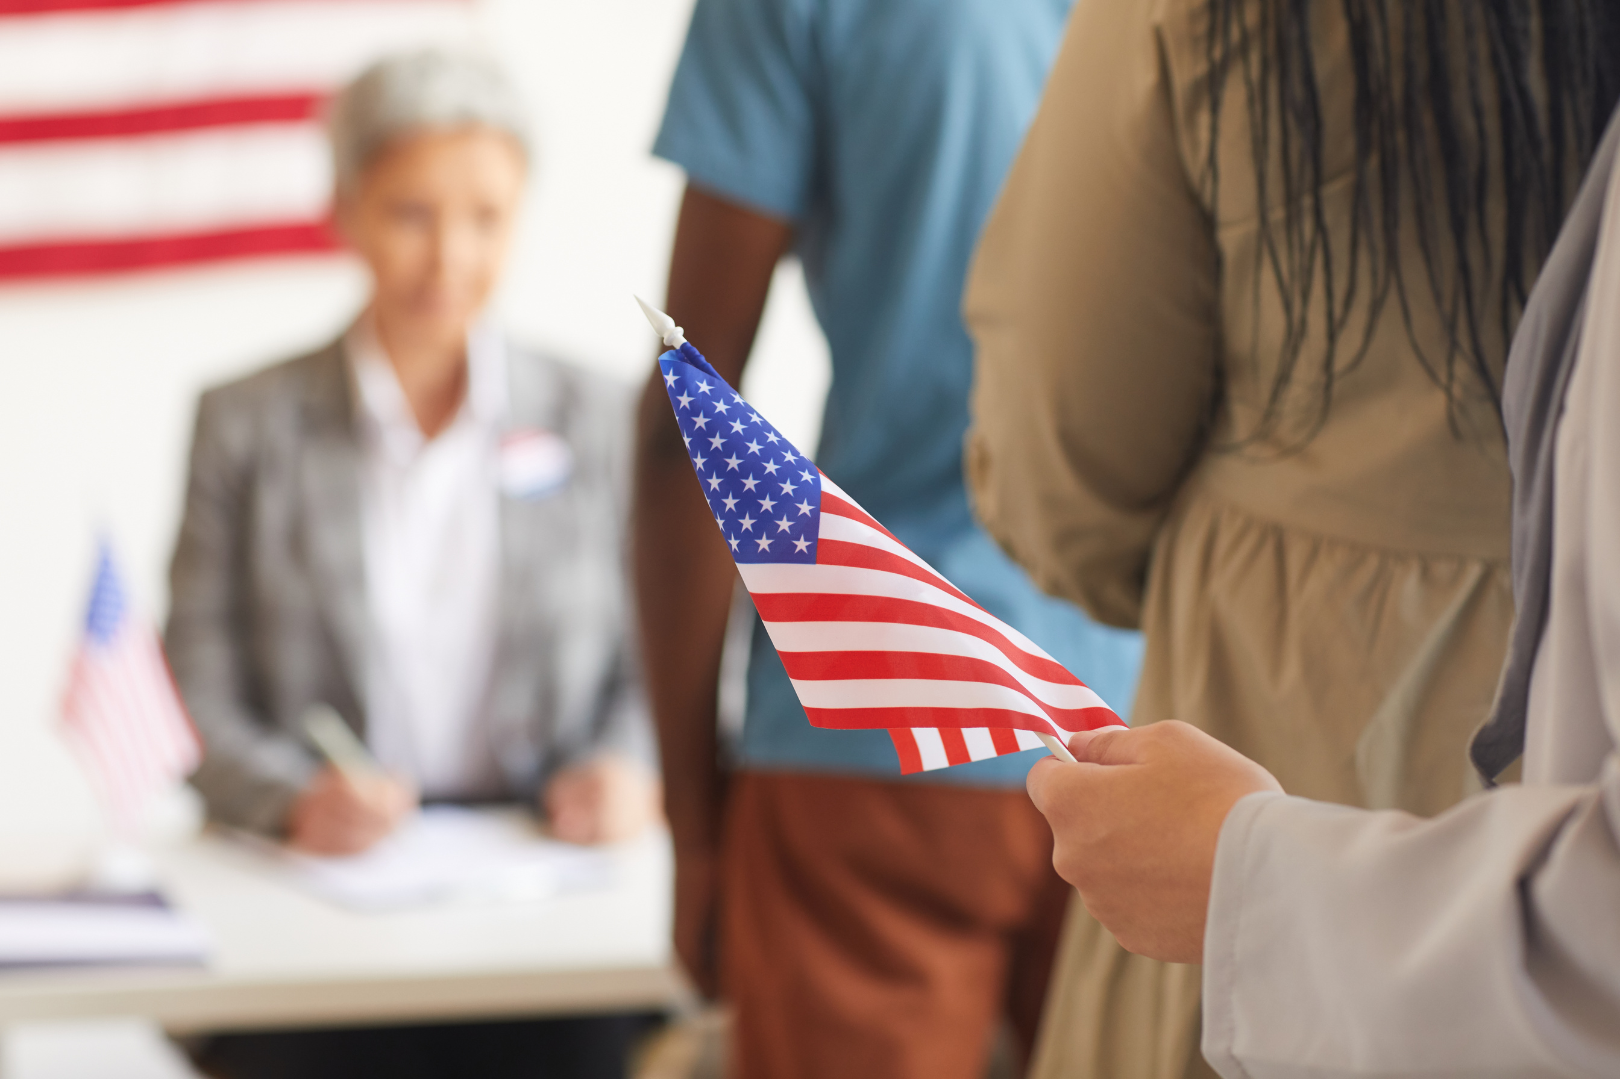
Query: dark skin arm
[[719, 275]]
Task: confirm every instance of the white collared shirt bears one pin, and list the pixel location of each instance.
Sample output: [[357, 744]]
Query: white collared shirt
[[430, 527]]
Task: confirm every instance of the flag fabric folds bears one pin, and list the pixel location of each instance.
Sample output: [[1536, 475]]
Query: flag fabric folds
[[121, 711], [870, 634]]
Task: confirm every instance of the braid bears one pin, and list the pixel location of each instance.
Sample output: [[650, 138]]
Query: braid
[[1452, 100]]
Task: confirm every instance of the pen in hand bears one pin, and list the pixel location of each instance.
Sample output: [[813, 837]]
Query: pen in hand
[[337, 743], [353, 803]]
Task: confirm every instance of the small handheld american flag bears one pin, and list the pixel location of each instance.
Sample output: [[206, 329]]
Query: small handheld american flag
[[121, 711], [871, 635]]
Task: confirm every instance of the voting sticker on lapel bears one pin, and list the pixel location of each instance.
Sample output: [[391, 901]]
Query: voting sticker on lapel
[[534, 463]]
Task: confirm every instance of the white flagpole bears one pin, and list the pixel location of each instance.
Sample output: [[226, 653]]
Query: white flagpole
[[1054, 744], [674, 337]]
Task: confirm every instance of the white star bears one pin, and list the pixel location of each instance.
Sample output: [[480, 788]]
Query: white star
[[685, 400], [749, 483], [699, 460], [770, 437], [714, 482], [805, 476], [703, 386], [721, 406], [755, 415], [732, 540], [746, 522], [736, 397], [700, 421], [687, 439], [736, 426], [801, 545], [790, 455], [767, 503], [783, 524], [730, 501], [669, 378], [732, 462], [787, 487], [804, 507], [764, 543], [715, 442], [770, 468], [753, 447]]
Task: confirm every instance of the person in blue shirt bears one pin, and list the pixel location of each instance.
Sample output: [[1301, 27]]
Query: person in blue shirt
[[859, 924]]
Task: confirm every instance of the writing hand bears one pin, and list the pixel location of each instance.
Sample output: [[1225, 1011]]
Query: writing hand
[[337, 815]]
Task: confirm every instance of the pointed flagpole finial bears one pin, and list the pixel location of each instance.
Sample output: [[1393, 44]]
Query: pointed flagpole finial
[[673, 336]]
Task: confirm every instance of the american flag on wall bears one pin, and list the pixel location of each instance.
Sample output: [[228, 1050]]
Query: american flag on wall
[[871, 635], [138, 133], [122, 712]]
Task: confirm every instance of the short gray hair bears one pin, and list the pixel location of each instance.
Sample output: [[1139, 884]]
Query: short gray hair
[[408, 92]]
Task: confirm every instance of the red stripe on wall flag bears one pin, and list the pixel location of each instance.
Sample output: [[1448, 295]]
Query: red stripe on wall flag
[[162, 119], [66, 258], [53, 7], [48, 7]]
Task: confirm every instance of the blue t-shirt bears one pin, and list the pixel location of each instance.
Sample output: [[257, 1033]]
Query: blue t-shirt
[[883, 130]]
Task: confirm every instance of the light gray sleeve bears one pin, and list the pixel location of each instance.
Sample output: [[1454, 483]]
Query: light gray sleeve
[[250, 772], [1485, 942]]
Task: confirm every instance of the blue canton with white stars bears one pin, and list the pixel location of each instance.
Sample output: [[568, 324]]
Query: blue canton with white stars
[[764, 494], [108, 603]]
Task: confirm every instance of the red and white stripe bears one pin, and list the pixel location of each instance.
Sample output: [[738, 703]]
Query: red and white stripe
[[872, 636], [151, 132], [123, 714]]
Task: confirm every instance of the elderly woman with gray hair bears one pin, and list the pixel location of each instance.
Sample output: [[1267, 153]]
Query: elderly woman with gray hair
[[419, 528]]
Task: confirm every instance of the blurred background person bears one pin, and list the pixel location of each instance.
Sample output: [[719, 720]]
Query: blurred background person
[[1241, 315], [859, 925], [418, 525]]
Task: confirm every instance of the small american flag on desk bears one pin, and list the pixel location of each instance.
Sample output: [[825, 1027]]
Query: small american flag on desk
[[871, 635], [121, 710]]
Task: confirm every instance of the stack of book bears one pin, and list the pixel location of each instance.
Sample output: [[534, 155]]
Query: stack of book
[[91, 928]]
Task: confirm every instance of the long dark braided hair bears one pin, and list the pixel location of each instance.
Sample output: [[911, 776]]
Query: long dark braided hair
[[1453, 100]]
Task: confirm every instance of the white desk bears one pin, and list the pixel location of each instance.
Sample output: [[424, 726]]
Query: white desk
[[284, 958]]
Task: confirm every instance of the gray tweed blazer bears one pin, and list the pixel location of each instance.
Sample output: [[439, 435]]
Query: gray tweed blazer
[[268, 610]]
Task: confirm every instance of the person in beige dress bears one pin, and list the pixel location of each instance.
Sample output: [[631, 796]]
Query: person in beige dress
[[1252, 412], [1346, 942]]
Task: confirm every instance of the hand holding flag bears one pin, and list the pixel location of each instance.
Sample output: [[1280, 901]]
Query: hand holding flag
[[871, 635]]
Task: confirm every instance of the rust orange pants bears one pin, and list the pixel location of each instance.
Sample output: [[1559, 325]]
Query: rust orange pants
[[877, 928]]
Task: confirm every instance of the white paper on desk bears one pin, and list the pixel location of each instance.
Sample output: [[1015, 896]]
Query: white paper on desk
[[448, 853], [86, 928]]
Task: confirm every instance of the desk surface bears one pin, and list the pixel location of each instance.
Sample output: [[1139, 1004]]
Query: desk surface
[[282, 957]]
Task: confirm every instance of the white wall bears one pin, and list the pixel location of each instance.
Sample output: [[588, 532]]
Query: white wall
[[99, 379]]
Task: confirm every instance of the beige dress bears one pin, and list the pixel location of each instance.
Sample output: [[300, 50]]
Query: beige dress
[[1339, 612]]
